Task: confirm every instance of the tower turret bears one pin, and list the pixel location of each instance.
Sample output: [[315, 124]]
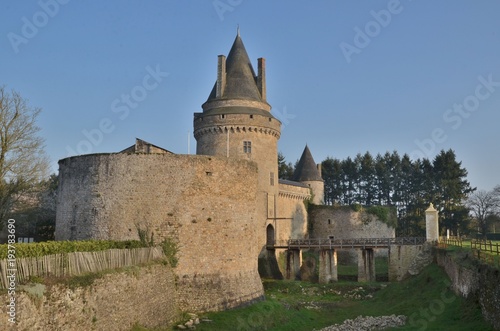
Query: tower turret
[[236, 120], [309, 173]]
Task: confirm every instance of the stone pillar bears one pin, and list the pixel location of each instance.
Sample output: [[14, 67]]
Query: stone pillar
[[366, 265], [328, 266], [293, 264], [431, 224], [398, 263], [403, 259]]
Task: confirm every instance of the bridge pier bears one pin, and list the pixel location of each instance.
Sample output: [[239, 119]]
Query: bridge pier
[[400, 259], [328, 266], [293, 262], [366, 265]]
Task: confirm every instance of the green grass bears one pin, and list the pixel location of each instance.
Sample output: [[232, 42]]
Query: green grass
[[300, 306], [350, 271], [489, 257]]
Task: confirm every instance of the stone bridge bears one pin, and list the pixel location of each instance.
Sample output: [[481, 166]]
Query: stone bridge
[[402, 252]]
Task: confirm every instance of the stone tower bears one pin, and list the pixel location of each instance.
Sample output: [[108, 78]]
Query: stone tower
[[236, 121], [309, 173]]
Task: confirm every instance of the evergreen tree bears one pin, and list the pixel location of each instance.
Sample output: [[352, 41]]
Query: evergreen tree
[[452, 190], [349, 180], [367, 177], [285, 170], [331, 171], [409, 185]]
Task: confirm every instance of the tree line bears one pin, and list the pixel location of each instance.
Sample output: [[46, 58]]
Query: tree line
[[407, 185]]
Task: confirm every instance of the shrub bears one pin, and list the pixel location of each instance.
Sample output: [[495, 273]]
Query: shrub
[[57, 247]]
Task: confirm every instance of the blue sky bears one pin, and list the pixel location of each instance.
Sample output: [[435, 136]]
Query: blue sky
[[345, 77]]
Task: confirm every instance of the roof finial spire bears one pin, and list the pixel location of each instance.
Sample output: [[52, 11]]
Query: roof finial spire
[[238, 30]]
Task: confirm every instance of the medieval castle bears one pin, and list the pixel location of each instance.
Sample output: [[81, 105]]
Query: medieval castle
[[224, 206]]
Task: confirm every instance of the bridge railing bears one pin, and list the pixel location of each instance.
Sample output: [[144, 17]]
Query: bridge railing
[[346, 243]]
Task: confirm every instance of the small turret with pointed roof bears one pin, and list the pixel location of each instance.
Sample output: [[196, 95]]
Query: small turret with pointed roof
[[308, 172], [306, 168]]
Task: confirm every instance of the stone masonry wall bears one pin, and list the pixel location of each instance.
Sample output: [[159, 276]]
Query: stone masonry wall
[[401, 258], [291, 213], [344, 223], [223, 132], [205, 203], [117, 301], [480, 281]]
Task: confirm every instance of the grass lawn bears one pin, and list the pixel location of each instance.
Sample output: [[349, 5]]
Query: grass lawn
[[489, 257], [301, 306]]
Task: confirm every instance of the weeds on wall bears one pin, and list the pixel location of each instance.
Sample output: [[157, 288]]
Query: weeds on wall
[[384, 214], [145, 237], [169, 246], [170, 250]]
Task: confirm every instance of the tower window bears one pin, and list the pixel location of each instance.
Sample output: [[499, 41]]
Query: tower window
[[251, 116], [271, 178], [247, 147], [222, 116]]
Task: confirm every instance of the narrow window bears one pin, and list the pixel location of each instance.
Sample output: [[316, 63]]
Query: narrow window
[[251, 116], [271, 178], [222, 116], [329, 221], [247, 147]]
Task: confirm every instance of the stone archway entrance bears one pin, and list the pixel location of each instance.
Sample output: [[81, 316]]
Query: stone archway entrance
[[270, 236], [268, 264]]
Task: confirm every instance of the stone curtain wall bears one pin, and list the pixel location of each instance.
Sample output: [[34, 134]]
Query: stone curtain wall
[[482, 281], [291, 213], [117, 301], [205, 203], [346, 223]]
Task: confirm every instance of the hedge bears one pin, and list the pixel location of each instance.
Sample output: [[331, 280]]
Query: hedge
[[56, 247]]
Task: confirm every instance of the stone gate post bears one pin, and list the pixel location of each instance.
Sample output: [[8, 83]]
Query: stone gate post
[[431, 224]]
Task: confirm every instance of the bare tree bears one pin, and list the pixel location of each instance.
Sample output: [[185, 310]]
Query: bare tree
[[23, 162], [484, 205]]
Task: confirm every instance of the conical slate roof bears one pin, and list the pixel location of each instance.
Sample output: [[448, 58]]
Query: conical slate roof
[[240, 76], [306, 168]]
